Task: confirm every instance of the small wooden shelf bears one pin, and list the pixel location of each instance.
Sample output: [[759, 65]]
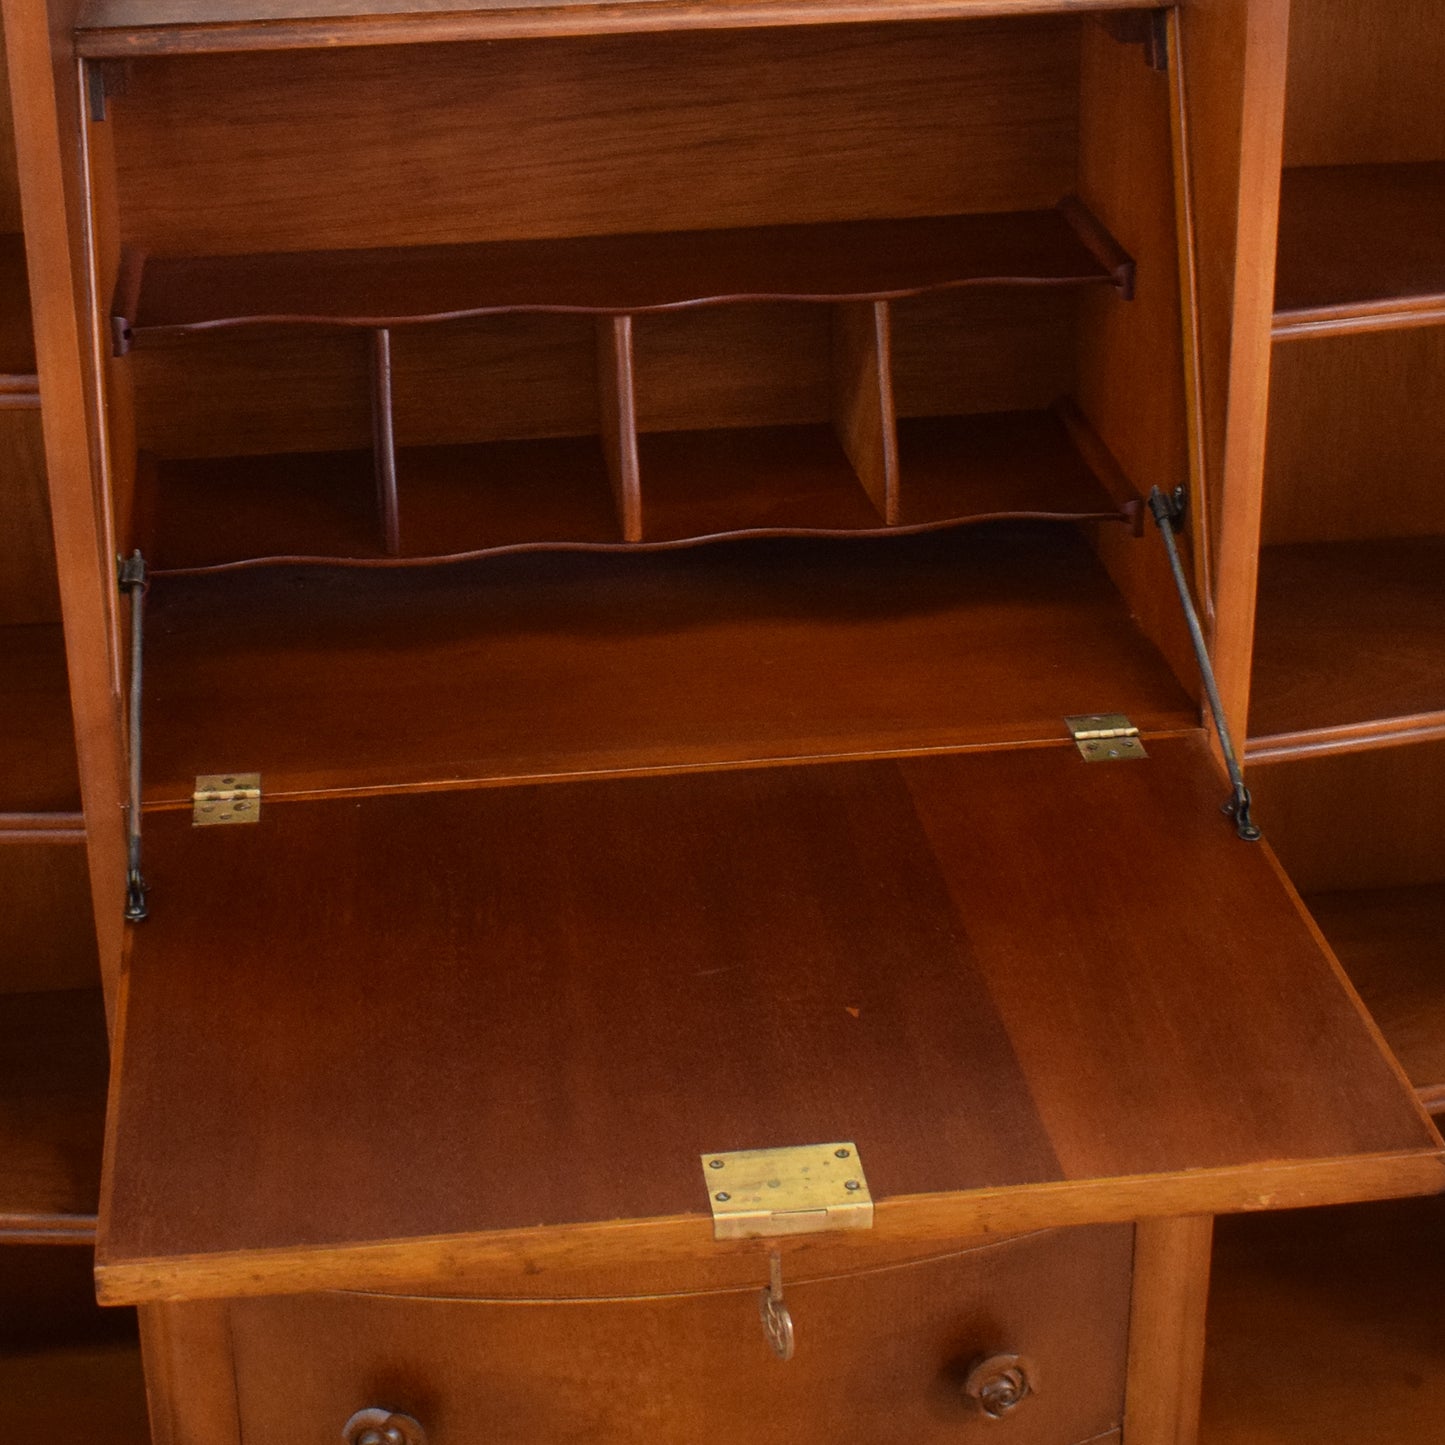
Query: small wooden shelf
[[617, 275], [1008, 464], [1324, 1327], [85, 1392], [1392, 943], [123, 28], [545, 493], [768, 479], [1349, 646], [53, 1071], [540, 665], [489, 496], [37, 750], [17, 341], [1361, 248]]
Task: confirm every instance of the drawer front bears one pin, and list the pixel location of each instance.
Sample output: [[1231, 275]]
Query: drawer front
[[880, 1357]]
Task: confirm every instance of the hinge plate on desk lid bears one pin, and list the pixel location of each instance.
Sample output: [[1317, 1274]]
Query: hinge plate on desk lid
[[1105, 737], [226, 798], [759, 1193]]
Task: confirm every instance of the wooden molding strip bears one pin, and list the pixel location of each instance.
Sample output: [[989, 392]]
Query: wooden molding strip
[[666, 1244], [111, 29], [1346, 738]]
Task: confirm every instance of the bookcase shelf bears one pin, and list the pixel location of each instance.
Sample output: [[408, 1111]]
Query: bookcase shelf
[[17, 341], [68, 1370], [1392, 943], [540, 665], [53, 1071], [617, 275], [91, 1392], [38, 779], [1361, 248], [1349, 646], [1324, 1327]]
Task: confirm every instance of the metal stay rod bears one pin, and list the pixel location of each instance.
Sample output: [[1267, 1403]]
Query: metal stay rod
[[1169, 511], [133, 580]]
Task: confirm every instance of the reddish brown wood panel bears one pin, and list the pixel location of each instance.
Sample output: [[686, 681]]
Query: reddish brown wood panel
[[857, 260], [560, 996], [37, 743], [94, 1393], [1350, 644], [542, 666], [880, 1357], [28, 591], [1360, 247], [145, 27], [53, 1071], [1329, 839], [17, 341], [620, 134], [1392, 943], [1362, 92], [1355, 438], [1296, 1295], [47, 931]]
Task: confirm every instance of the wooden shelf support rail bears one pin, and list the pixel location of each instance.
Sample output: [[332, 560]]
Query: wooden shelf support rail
[[616, 275], [383, 431]]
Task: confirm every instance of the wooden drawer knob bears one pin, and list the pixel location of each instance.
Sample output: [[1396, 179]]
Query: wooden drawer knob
[[382, 1427], [998, 1384]]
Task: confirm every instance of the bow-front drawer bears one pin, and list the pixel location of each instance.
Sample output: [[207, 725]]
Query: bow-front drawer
[[1018, 1341]]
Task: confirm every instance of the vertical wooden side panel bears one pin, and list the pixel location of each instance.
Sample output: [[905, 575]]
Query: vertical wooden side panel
[[27, 583], [863, 399], [1131, 376], [190, 1377], [1166, 1331], [617, 412], [1232, 56], [45, 89]]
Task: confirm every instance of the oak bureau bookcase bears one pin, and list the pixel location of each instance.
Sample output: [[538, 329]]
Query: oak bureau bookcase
[[636, 710]]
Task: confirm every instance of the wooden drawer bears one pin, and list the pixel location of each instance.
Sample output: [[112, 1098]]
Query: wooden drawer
[[881, 1357]]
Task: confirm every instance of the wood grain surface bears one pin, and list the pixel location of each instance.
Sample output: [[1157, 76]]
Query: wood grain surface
[[218, 155], [1351, 637], [47, 934], [161, 27], [537, 666], [613, 275], [1355, 438], [1361, 92], [547, 1002], [1231, 73], [1392, 943], [37, 743], [1324, 1328], [17, 339], [28, 590], [94, 1393], [1359, 249], [53, 1071], [880, 1357], [1347, 819], [50, 145]]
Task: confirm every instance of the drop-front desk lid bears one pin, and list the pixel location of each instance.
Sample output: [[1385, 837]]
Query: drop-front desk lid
[[393, 1041]]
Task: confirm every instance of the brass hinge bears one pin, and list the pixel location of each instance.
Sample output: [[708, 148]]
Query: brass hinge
[[756, 1193], [1105, 737], [226, 798]]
